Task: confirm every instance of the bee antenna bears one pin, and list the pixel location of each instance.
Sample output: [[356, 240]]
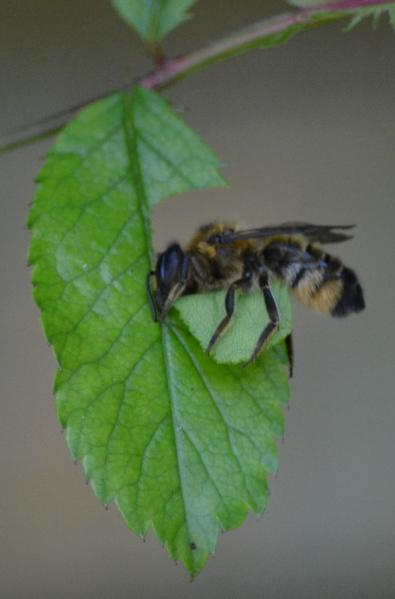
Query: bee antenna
[[150, 296]]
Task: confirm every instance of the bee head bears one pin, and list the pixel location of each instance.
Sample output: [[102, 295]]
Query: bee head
[[169, 276]]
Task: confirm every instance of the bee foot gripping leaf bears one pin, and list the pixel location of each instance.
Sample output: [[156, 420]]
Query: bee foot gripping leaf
[[202, 314]]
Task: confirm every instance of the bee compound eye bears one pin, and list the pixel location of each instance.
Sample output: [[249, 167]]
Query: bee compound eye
[[170, 265]]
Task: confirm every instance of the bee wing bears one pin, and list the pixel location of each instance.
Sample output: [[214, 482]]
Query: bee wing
[[320, 233], [323, 233]]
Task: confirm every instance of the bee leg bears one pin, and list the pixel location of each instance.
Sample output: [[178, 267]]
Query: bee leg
[[150, 295], [290, 353], [244, 283], [229, 307], [272, 311]]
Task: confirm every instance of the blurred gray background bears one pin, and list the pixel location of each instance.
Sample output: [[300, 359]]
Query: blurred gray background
[[306, 131]]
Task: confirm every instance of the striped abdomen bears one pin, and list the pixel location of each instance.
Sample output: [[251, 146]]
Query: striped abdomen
[[317, 279]]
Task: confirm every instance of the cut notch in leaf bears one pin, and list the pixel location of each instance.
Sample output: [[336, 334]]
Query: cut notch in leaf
[[180, 444]]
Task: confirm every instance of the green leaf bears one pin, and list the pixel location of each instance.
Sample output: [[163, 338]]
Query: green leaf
[[375, 13], [357, 13], [202, 313], [153, 19], [391, 14], [180, 443]]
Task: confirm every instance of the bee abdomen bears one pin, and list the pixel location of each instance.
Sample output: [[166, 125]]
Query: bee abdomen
[[316, 290], [351, 298], [317, 279], [337, 294]]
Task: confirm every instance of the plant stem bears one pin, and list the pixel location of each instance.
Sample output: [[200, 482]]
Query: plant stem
[[252, 38], [267, 33], [156, 53]]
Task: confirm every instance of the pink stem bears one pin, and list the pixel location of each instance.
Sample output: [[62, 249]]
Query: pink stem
[[248, 39]]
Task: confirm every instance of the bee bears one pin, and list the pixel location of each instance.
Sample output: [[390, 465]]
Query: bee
[[221, 257]]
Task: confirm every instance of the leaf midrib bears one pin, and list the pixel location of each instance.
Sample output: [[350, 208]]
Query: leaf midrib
[[136, 174]]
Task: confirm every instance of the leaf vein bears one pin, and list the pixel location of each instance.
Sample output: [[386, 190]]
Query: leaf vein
[[91, 307], [176, 168], [213, 397]]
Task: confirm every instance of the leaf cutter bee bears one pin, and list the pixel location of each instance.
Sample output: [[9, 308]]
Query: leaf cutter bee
[[221, 257]]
